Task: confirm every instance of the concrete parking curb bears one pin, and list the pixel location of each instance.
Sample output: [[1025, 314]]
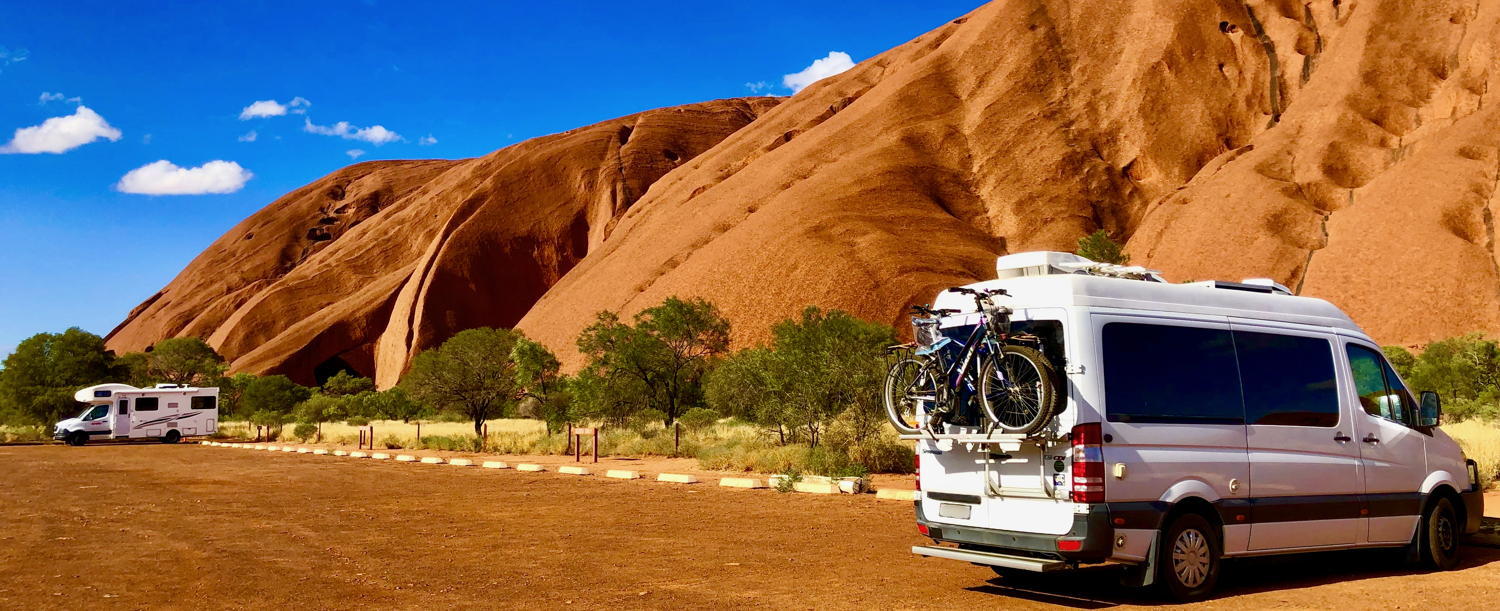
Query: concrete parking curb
[[288, 449], [495, 464], [816, 487], [741, 482], [892, 494], [622, 474], [340, 452], [405, 458], [431, 460], [461, 462], [320, 452], [380, 456], [304, 450], [529, 467], [571, 470], [677, 478], [358, 455]]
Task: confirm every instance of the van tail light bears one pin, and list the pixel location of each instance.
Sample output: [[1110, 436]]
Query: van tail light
[[1088, 463], [916, 467]]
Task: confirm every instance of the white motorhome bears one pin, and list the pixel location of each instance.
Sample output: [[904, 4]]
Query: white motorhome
[[1198, 422], [168, 412]]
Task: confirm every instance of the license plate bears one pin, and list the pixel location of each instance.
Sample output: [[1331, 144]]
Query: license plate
[[953, 510]]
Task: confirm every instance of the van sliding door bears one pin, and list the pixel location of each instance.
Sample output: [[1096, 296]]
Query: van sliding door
[[1305, 485]]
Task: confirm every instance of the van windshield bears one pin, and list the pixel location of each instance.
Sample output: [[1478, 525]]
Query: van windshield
[[93, 411]]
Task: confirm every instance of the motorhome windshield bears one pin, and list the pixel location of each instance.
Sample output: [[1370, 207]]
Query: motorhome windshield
[[93, 411]]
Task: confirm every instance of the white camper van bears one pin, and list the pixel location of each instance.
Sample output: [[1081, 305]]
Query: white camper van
[[168, 412], [1193, 422]]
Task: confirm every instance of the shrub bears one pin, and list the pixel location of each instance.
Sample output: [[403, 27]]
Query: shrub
[[646, 418], [392, 442], [305, 431], [1098, 247], [699, 418], [451, 443], [357, 421], [789, 483], [883, 456]]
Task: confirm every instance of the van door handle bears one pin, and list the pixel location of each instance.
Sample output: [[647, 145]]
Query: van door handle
[[1371, 438], [1341, 437]]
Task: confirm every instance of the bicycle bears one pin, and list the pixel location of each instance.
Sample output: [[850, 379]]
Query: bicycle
[[1017, 391]]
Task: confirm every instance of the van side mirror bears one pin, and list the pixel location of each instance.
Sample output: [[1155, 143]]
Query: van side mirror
[[1432, 409]]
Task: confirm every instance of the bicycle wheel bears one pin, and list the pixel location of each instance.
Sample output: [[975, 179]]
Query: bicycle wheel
[[1022, 396], [911, 387]]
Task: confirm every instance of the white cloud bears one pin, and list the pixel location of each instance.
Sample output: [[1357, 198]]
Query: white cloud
[[354, 153], [836, 62], [62, 134], [58, 97], [375, 134], [427, 140], [12, 56], [249, 136], [757, 86], [166, 178], [272, 108]]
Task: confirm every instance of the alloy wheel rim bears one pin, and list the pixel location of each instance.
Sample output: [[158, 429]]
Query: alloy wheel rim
[[1190, 558]]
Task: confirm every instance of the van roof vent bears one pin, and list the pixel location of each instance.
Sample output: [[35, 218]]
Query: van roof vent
[[1252, 285]]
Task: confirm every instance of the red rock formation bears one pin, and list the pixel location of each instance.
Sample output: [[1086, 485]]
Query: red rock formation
[[376, 261], [1340, 147]]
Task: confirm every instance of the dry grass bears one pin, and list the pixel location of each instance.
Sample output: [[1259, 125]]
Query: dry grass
[[403, 432], [24, 434], [1480, 440]]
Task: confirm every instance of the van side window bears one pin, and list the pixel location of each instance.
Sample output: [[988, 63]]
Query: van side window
[[1287, 379], [1380, 392], [203, 402], [97, 413], [145, 404], [1162, 373]]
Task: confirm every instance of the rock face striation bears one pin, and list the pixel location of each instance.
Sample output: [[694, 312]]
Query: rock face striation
[[1341, 147]]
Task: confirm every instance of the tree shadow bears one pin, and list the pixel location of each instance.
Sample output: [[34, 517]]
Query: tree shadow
[[1099, 587]]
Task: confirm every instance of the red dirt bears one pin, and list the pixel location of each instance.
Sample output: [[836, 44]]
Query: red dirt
[[149, 525]]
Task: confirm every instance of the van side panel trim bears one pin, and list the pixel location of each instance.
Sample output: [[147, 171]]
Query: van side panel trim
[[1262, 510]]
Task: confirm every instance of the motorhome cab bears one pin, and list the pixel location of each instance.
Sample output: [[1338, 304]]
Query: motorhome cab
[[1203, 421], [167, 412]]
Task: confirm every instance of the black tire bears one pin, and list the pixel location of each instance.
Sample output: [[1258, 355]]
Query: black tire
[[908, 383], [1438, 535], [77, 438], [172, 437], [1030, 399], [1188, 558]]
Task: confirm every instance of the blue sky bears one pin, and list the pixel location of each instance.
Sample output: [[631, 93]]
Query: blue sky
[[131, 85]]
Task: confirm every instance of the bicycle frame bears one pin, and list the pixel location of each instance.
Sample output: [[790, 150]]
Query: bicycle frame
[[964, 368]]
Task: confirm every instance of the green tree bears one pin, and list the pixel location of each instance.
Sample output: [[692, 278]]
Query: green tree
[[342, 383], [1098, 247], [133, 368], [538, 373], [393, 404], [822, 365], [184, 360], [323, 408], [40, 377], [471, 373], [269, 401], [231, 393], [666, 353]]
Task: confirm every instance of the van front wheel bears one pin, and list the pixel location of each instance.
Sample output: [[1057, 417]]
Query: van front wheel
[[1439, 535], [1189, 557], [77, 438]]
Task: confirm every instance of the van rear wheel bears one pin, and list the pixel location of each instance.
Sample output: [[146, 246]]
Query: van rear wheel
[[1189, 557], [172, 437]]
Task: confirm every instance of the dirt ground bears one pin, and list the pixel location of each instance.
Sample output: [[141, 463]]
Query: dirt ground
[[152, 525]]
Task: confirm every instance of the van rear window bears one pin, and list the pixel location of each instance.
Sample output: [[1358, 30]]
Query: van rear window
[[204, 402], [1288, 379], [145, 404], [1162, 373]]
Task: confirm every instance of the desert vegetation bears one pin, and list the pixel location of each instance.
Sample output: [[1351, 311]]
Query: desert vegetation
[[661, 383]]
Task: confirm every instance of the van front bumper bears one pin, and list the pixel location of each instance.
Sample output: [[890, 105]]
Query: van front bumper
[[1091, 531], [1473, 510]]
